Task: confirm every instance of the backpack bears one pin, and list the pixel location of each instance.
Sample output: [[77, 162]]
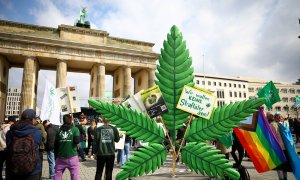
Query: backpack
[[244, 174], [24, 157]]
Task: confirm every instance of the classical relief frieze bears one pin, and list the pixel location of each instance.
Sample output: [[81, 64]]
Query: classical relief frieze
[[49, 49], [121, 57]]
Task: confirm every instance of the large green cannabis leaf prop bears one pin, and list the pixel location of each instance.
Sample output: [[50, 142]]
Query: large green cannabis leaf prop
[[221, 121], [202, 158], [175, 71], [135, 124]]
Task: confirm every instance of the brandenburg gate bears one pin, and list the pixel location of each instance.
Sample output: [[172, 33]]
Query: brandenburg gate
[[72, 49]]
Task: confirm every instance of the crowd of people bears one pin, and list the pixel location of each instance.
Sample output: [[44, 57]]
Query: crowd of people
[[23, 144]]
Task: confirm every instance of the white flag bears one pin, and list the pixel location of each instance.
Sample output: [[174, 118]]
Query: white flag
[[50, 108]]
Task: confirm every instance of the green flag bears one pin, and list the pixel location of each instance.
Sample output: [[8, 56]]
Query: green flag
[[227, 139], [270, 93]]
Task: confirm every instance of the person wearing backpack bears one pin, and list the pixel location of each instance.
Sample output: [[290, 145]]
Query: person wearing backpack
[[4, 128], [23, 141], [65, 149]]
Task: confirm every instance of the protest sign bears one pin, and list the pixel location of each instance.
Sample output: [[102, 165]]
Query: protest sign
[[196, 101], [154, 102], [134, 102], [68, 100], [50, 107], [121, 143]]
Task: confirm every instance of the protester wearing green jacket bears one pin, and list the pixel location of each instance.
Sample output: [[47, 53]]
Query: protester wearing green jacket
[[104, 149]]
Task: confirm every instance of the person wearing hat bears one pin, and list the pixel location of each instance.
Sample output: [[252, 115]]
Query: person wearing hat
[[4, 128], [24, 166]]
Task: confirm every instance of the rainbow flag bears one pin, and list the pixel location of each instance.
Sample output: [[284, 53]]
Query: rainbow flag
[[260, 143]]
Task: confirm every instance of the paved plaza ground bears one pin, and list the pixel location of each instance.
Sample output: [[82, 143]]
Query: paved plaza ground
[[88, 169]]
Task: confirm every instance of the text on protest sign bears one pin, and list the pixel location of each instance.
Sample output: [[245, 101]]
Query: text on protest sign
[[196, 101]]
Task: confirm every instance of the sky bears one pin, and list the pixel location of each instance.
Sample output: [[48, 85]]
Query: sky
[[234, 38]]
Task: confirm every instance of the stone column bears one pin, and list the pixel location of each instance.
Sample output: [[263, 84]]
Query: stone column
[[151, 77], [127, 81], [61, 74], [141, 80], [97, 83], [100, 88], [4, 69], [29, 84]]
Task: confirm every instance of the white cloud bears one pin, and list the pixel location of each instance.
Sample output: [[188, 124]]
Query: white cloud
[[238, 38]]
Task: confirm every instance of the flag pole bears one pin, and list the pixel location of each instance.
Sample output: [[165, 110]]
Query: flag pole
[[203, 70]]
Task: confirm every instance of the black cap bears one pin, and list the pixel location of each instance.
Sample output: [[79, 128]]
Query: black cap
[[28, 114], [11, 119]]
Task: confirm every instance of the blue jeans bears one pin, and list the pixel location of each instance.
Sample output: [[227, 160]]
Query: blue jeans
[[120, 157], [81, 152], [51, 161], [127, 150]]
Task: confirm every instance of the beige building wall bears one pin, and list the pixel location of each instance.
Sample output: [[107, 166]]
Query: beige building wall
[[4, 69]]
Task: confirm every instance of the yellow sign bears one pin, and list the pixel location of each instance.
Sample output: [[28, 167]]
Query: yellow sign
[[196, 101]]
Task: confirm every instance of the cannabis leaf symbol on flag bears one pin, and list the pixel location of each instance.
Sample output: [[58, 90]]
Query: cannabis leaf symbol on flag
[[173, 72]]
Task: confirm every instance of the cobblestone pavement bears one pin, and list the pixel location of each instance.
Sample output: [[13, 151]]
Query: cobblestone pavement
[[88, 169]]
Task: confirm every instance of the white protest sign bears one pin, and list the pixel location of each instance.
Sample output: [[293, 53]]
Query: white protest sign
[[121, 143], [50, 108], [196, 101]]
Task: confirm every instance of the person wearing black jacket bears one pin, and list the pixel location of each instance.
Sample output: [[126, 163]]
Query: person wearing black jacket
[[49, 146]]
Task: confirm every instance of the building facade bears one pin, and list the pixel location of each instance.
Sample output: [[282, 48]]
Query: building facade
[[13, 102], [229, 90], [226, 89], [287, 93], [72, 49]]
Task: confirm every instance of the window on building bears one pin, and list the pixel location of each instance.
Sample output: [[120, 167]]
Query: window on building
[[239, 86], [277, 108], [298, 91], [258, 89], [245, 95], [220, 84], [283, 90], [225, 84], [203, 82], [197, 81], [285, 99], [292, 99], [286, 108], [234, 85], [215, 84], [244, 86], [251, 89], [209, 83], [292, 91], [229, 84], [240, 94], [230, 94], [220, 94], [220, 103], [235, 94]]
